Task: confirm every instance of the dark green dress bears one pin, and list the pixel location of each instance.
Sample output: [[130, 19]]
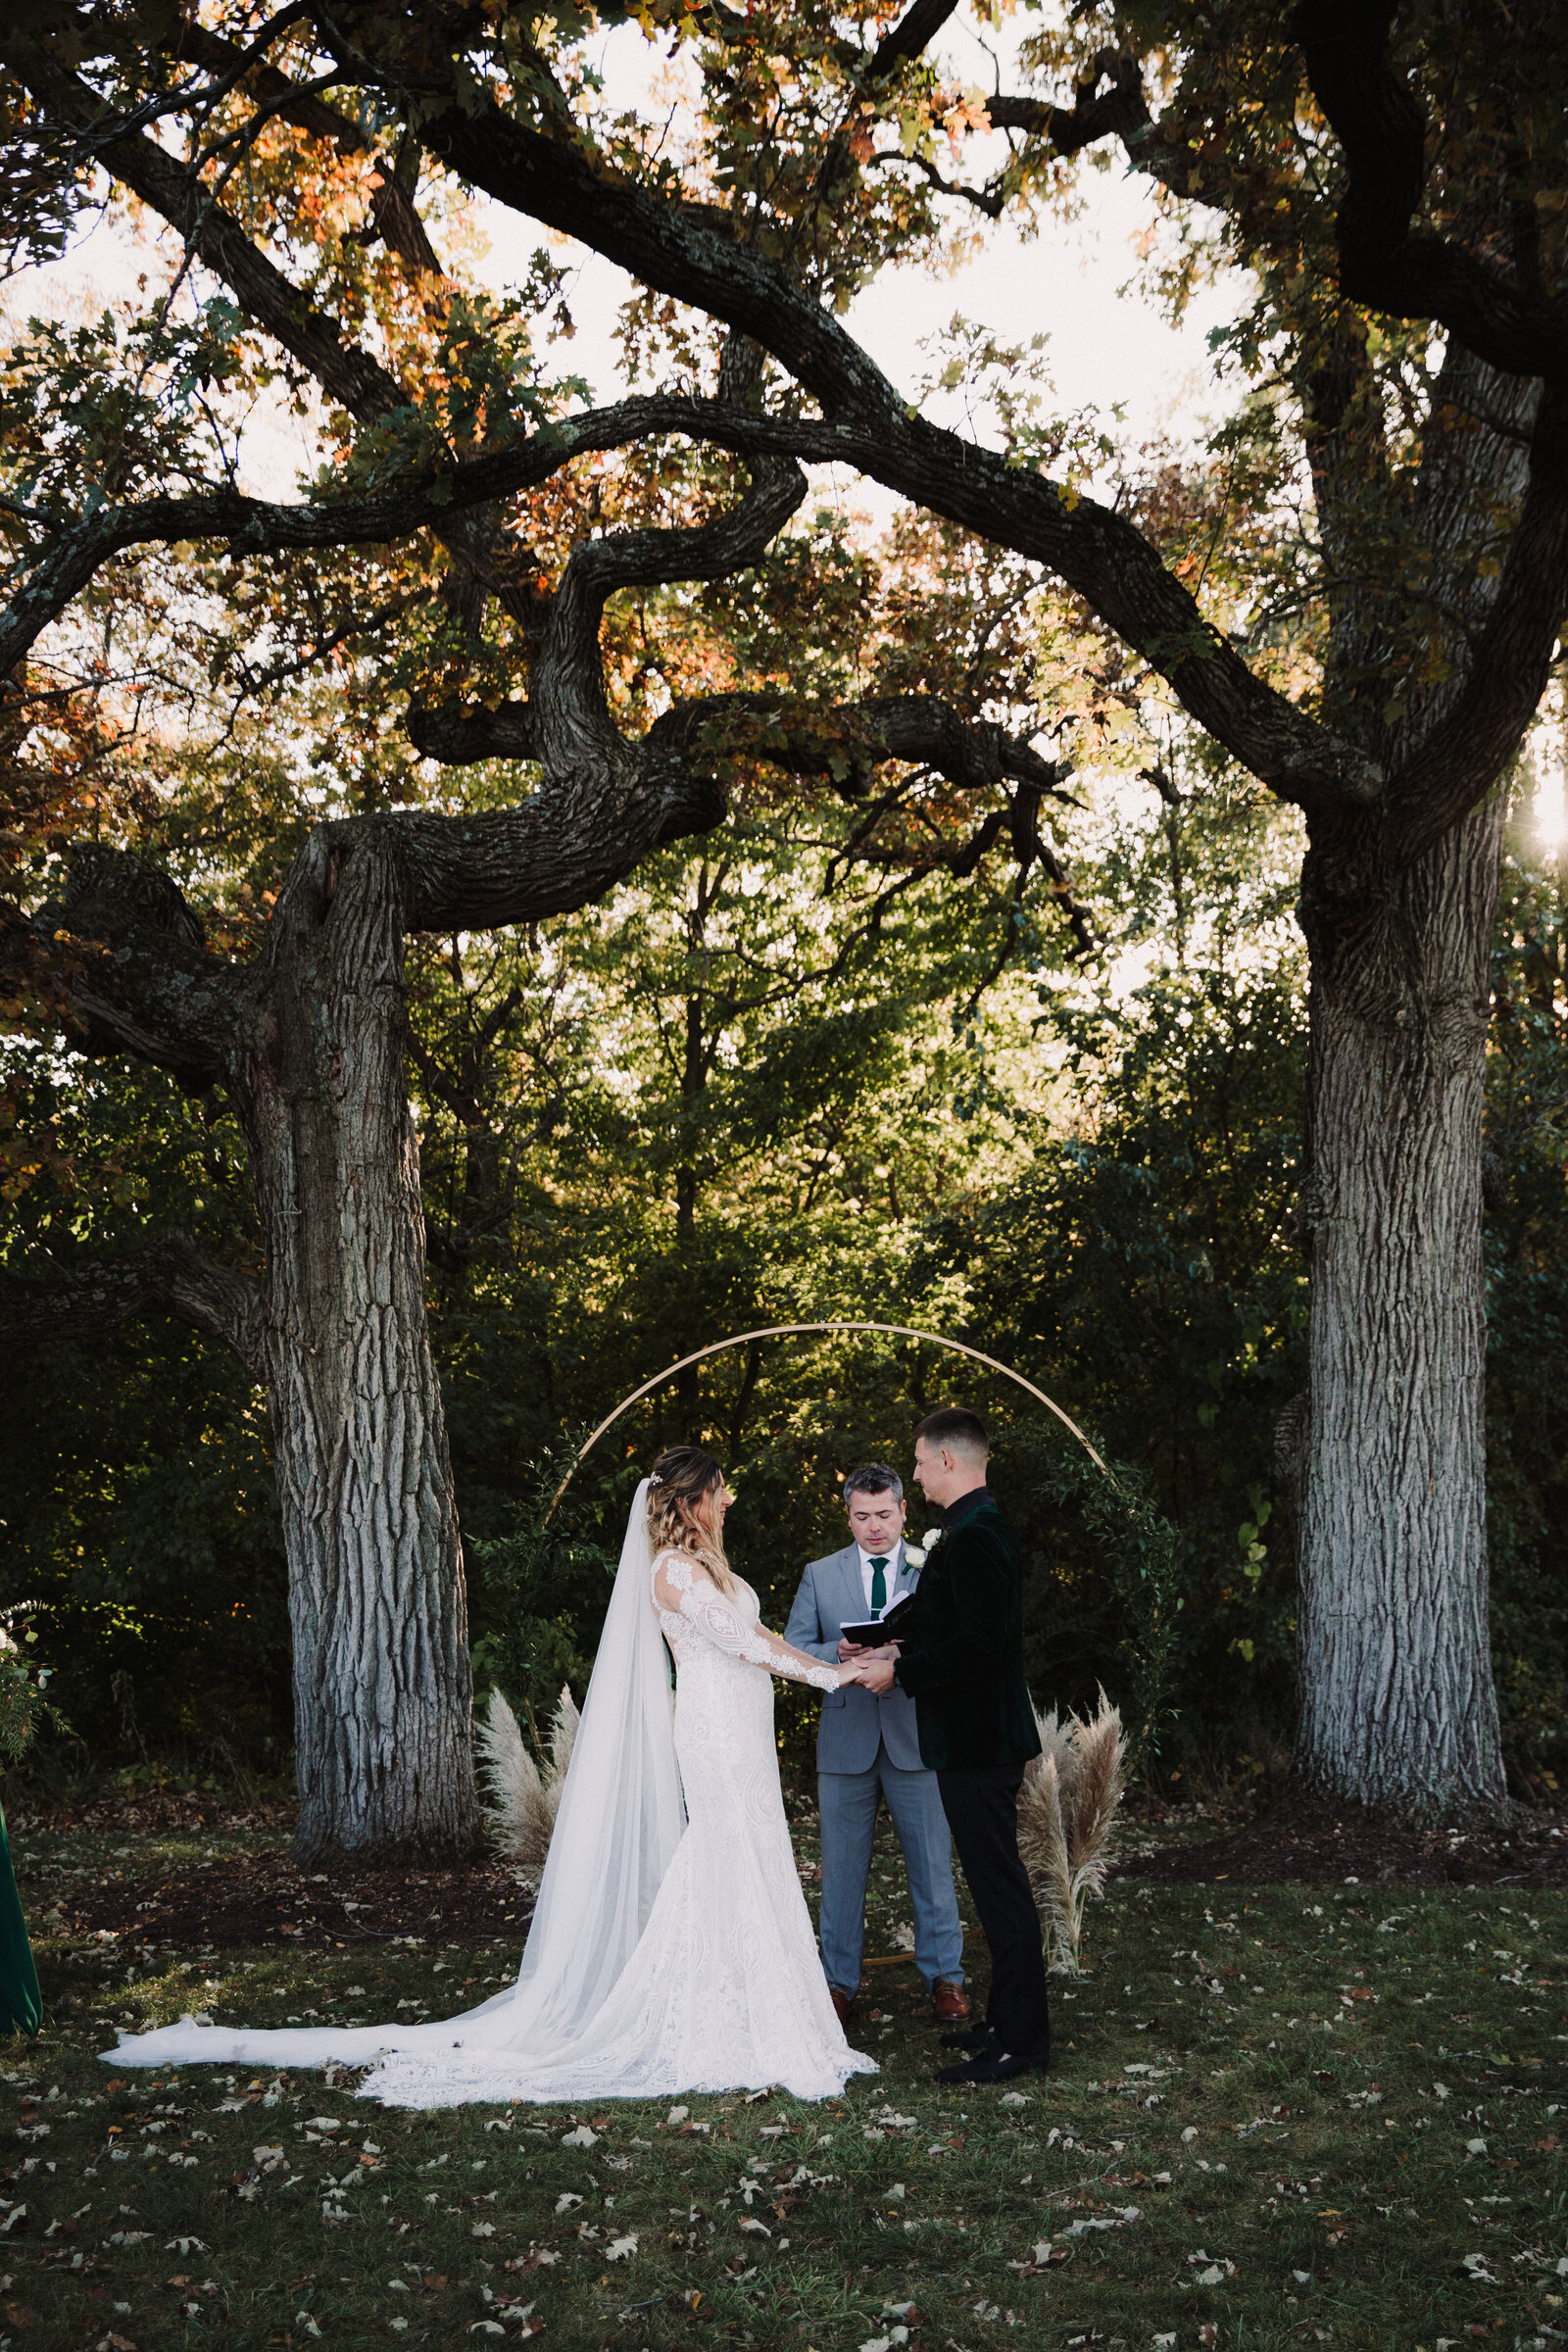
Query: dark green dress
[[20, 2001], [962, 1659]]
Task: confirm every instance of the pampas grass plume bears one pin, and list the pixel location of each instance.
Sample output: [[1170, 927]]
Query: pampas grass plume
[[1066, 1813], [522, 1799]]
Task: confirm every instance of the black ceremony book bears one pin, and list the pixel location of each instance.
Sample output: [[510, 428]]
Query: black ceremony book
[[874, 1631]]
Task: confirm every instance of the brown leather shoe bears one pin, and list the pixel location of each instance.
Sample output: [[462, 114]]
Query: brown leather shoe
[[842, 2004], [950, 2003]]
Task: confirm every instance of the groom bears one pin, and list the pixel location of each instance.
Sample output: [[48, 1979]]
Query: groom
[[868, 1746], [963, 1661]]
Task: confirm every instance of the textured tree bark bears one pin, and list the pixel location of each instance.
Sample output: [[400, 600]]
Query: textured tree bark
[[381, 1682], [1397, 1704]]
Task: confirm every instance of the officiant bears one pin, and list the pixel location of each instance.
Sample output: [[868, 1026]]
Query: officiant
[[868, 1749]]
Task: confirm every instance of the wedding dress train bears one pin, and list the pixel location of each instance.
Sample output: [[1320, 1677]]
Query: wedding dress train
[[671, 1950]]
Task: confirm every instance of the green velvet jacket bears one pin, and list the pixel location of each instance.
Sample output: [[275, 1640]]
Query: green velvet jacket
[[962, 1658]]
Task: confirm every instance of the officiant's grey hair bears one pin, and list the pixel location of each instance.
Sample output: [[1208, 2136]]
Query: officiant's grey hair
[[874, 1478]]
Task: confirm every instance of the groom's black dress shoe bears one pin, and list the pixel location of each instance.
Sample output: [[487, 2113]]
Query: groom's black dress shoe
[[973, 2038], [994, 2066]]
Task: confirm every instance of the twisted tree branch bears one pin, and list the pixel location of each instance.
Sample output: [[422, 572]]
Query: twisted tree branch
[[571, 715], [1504, 317], [170, 1276], [427, 500], [128, 966]]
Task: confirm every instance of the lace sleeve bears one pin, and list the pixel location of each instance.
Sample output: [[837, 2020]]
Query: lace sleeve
[[679, 1591]]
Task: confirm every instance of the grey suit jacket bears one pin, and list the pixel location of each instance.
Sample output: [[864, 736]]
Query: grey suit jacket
[[831, 1595]]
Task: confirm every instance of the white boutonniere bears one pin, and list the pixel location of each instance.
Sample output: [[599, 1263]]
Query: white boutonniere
[[917, 1553]]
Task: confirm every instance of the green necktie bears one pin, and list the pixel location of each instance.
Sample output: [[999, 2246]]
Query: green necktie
[[879, 1583]]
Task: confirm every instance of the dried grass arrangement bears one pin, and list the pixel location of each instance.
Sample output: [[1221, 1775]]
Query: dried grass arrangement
[[1066, 1811], [522, 1799]]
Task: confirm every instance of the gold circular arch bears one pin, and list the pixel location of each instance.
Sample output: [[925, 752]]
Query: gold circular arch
[[783, 1331]]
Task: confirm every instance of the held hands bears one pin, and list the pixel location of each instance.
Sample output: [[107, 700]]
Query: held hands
[[872, 1669]]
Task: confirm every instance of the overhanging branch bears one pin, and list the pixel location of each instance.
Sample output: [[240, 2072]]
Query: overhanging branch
[[427, 500], [120, 958], [843, 742], [1384, 260], [170, 1276]]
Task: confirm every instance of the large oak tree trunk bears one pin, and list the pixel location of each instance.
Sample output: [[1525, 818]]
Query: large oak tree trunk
[[1396, 1696], [381, 1682]]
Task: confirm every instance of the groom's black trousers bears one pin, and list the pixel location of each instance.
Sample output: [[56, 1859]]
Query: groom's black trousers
[[982, 1810]]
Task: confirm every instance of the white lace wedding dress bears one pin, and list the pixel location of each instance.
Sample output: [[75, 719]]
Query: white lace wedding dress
[[666, 1955]]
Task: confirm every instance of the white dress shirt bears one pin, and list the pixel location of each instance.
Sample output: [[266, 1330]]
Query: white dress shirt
[[893, 1571]]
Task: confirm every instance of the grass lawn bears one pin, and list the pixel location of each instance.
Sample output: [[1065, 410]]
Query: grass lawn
[[1277, 2116]]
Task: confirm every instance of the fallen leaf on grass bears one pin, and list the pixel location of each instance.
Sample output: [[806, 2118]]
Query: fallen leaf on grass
[[585, 2137], [621, 2248], [1116, 2221], [526, 2322], [1044, 2253], [1218, 2270]]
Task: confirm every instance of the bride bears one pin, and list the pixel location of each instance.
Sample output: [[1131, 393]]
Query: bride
[[671, 1950]]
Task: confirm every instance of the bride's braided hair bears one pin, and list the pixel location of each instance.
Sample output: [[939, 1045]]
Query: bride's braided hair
[[678, 1481]]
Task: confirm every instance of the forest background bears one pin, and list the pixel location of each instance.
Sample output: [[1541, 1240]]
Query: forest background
[[1050, 1105]]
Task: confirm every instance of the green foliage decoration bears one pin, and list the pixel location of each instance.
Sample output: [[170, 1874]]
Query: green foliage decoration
[[24, 1682]]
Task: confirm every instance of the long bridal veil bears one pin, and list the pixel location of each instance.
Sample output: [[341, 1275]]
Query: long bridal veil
[[620, 1816], [621, 1819]]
